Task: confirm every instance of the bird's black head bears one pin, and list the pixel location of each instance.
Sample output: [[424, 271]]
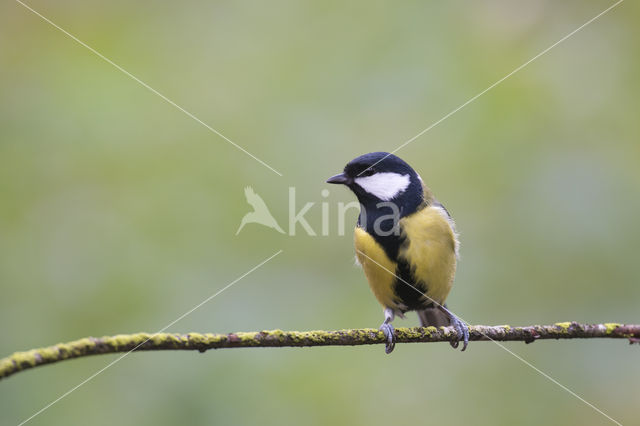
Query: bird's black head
[[381, 181]]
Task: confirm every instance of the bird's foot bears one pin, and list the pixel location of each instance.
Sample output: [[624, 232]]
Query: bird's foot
[[388, 331], [462, 332]]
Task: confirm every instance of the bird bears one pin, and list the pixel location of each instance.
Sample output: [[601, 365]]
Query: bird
[[260, 213], [406, 242]]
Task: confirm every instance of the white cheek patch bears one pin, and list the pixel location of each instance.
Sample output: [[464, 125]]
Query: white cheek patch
[[385, 186]]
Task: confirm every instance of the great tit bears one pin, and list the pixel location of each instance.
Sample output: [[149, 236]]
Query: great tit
[[406, 242]]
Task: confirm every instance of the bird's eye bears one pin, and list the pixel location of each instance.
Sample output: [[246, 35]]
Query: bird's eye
[[367, 172]]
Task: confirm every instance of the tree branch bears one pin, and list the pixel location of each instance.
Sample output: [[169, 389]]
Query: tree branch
[[20, 361]]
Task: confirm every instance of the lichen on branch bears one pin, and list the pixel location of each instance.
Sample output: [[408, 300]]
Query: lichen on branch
[[20, 361]]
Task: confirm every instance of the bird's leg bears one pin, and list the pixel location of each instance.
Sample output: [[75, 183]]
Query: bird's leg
[[462, 330], [388, 330]]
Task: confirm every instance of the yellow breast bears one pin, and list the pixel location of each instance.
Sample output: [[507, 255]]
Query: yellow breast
[[430, 250], [377, 267]]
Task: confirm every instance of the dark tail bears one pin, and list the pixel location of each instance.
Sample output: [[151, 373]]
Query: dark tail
[[434, 317]]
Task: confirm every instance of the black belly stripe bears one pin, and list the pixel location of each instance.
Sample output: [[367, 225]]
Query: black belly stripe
[[406, 294]]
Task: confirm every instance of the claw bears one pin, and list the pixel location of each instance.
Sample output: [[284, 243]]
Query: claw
[[462, 332], [388, 331]]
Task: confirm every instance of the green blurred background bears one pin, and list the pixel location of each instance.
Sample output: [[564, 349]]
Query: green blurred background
[[118, 212]]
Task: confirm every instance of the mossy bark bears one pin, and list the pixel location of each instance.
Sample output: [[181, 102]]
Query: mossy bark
[[20, 361]]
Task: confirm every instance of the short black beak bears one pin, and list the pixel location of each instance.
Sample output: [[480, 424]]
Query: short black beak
[[339, 179]]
